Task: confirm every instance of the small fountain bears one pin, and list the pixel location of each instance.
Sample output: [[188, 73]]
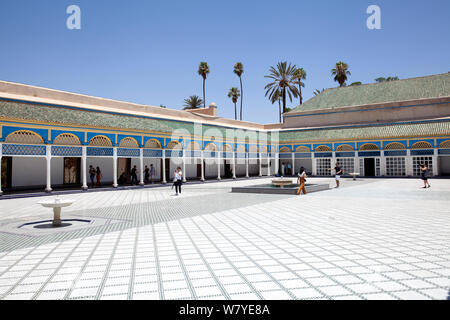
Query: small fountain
[[282, 182], [281, 186], [57, 204]]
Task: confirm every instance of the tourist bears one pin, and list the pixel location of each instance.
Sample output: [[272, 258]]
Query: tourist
[[92, 174], [301, 181], [152, 172], [99, 176], [123, 178], [179, 179], [147, 174], [425, 175], [282, 169], [338, 172], [134, 179]]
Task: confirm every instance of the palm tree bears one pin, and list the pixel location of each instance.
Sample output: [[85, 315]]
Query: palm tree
[[299, 75], [277, 97], [340, 73], [234, 95], [239, 70], [194, 102], [317, 92], [383, 79], [283, 79], [203, 70]]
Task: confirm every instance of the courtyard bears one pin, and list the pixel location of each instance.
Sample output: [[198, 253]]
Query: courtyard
[[369, 239]]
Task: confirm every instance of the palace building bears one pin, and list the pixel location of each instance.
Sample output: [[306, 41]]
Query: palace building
[[49, 138]]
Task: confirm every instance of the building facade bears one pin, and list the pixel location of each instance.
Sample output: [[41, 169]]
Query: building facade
[[50, 138]]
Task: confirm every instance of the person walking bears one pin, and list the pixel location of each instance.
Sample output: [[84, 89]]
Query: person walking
[[301, 181], [146, 174], [99, 176], [179, 179], [134, 179], [338, 173], [152, 172], [425, 174], [92, 174]]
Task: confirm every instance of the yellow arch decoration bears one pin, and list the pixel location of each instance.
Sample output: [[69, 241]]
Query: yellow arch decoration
[[369, 147], [129, 142], [100, 141], [153, 144], [422, 145], [24, 136], [323, 149], [394, 146]]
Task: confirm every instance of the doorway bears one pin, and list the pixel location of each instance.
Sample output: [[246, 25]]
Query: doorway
[[168, 176], [199, 170], [228, 171], [72, 171], [124, 170], [6, 172], [369, 167]]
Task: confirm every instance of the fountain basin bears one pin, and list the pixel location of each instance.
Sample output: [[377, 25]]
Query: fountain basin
[[285, 189], [56, 204]]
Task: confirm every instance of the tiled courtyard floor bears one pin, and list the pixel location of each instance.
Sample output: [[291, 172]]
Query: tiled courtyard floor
[[370, 239]]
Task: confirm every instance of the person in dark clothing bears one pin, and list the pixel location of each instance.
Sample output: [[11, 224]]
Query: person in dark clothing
[[178, 175], [424, 175], [134, 179], [338, 172], [99, 176], [147, 174], [92, 174]]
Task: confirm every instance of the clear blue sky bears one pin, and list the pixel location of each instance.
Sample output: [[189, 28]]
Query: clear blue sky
[[148, 51]]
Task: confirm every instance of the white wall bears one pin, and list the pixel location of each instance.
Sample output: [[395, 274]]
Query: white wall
[[106, 167], [444, 165], [28, 171], [307, 163]]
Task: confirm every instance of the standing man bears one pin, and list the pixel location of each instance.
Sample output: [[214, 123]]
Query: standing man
[[134, 179], [338, 172], [179, 179], [147, 174], [152, 172], [92, 174]]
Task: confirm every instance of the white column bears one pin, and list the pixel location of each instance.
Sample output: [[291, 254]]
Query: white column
[[115, 185], [184, 166], [268, 165], [356, 164], [293, 163], [234, 165], [164, 181], [246, 165], [409, 163], [277, 163], [382, 164], [141, 166], [202, 176], [333, 159], [48, 158], [83, 167], [260, 164], [435, 163], [218, 165], [1, 154], [313, 165]]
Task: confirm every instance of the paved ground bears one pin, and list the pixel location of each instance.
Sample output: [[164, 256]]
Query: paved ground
[[371, 239]]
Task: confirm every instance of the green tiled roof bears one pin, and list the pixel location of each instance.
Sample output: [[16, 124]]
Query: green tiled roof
[[435, 86], [418, 129], [67, 116]]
